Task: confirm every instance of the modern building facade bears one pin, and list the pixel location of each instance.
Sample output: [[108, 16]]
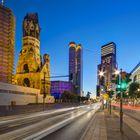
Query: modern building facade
[[7, 44], [75, 66], [135, 74], [107, 68], [31, 71], [58, 87]]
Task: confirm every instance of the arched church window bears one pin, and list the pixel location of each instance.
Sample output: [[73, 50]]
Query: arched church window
[[25, 68], [26, 82]]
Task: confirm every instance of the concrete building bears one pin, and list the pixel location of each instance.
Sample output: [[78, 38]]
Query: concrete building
[[31, 71], [135, 74], [19, 95], [58, 87], [107, 68], [76, 66], [7, 44]]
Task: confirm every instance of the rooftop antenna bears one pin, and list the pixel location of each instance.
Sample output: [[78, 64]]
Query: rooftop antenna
[[2, 2]]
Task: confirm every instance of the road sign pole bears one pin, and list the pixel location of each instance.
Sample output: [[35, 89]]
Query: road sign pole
[[44, 95], [121, 105], [110, 106]]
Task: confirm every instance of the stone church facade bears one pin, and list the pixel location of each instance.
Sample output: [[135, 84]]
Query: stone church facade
[[31, 70]]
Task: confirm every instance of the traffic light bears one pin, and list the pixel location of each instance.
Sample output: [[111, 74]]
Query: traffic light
[[123, 86], [71, 77], [118, 88], [125, 80]]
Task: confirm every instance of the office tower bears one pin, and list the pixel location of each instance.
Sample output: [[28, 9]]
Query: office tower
[[7, 44], [75, 66], [79, 70], [107, 67]]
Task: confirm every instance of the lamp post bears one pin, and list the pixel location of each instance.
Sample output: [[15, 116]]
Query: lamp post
[[110, 94], [101, 74], [44, 92], [121, 101], [117, 72]]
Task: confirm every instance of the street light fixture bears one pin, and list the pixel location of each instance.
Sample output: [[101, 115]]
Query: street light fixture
[[101, 73], [117, 72], [121, 102], [44, 92]]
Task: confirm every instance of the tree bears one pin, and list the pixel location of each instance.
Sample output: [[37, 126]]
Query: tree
[[134, 93], [69, 97], [65, 96], [123, 94]]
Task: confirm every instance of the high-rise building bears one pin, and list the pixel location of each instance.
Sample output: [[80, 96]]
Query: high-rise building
[[107, 67], [75, 66], [7, 44], [72, 62], [31, 71]]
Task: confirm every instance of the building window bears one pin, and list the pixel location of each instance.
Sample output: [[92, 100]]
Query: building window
[[25, 68], [26, 82]]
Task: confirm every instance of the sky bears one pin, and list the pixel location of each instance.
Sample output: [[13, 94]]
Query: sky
[[92, 23]]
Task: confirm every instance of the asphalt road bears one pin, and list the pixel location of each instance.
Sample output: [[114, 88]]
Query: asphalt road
[[74, 130], [40, 124]]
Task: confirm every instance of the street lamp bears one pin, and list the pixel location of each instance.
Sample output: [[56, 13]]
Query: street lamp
[[121, 100], [117, 72], [101, 73], [102, 89], [109, 103], [44, 91]]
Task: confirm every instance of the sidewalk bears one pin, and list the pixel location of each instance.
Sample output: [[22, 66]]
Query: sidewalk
[[113, 128], [104, 126], [96, 129]]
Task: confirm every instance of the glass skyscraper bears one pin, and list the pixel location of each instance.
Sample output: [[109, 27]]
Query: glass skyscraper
[[75, 66], [107, 67]]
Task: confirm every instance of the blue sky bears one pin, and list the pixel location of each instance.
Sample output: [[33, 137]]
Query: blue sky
[[92, 23]]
